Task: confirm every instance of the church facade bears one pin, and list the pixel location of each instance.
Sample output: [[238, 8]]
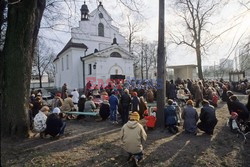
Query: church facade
[[95, 52]]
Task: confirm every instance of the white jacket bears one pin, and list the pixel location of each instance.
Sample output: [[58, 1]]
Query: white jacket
[[75, 97], [132, 136], [40, 122]]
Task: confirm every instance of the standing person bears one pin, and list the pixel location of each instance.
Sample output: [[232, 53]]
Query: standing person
[[54, 124], [135, 102], [171, 117], [64, 91], [113, 101], [198, 95], [105, 108], [172, 90], [142, 107], [57, 101], [40, 120], [208, 118], [125, 101], [132, 136], [190, 117], [75, 97]]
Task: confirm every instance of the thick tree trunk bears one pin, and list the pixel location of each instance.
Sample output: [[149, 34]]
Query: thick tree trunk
[[198, 54], [24, 20], [161, 68]]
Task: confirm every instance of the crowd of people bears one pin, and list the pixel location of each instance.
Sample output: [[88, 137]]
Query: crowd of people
[[126, 103]]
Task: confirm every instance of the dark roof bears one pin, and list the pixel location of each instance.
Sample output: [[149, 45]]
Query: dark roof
[[69, 45]]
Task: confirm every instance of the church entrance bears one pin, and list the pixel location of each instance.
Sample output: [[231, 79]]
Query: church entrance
[[117, 77]]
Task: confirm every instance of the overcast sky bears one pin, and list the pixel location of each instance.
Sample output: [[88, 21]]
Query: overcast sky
[[231, 14]]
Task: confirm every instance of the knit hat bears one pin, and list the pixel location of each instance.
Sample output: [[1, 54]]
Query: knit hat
[[56, 110], [134, 116]]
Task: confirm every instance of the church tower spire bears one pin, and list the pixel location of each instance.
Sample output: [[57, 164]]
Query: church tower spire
[[84, 12]]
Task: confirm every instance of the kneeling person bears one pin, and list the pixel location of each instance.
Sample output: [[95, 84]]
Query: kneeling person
[[40, 120], [132, 135], [55, 125]]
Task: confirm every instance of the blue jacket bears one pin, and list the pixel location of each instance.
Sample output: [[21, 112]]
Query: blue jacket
[[113, 101], [170, 115]]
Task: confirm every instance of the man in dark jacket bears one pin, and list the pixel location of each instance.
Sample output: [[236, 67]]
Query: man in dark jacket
[[239, 108], [55, 125], [125, 101], [208, 118]]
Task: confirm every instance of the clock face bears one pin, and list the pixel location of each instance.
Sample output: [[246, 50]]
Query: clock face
[[100, 15]]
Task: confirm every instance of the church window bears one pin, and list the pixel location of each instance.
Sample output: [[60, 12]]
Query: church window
[[115, 54], [62, 65], [101, 30], [67, 61], [90, 69]]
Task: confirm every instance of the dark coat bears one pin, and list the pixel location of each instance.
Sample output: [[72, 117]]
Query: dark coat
[[135, 103], [172, 91], [170, 115], [54, 124], [104, 110], [190, 117], [240, 109], [125, 99], [81, 104], [208, 119]]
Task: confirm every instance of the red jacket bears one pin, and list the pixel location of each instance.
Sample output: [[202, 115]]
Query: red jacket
[[151, 120]]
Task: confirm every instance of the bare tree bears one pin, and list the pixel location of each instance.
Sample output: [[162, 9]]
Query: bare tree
[[43, 58], [195, 14]]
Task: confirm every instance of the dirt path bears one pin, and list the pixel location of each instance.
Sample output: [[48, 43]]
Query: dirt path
[[90, 143]]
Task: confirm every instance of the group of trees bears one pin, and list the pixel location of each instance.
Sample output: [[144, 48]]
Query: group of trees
[[20, 23]]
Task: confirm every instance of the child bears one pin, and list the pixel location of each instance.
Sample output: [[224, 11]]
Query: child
[[132, 135]]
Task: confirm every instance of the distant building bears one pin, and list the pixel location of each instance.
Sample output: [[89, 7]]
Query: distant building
[[96, 52], [184, 71], [226, 64], [244, 63]]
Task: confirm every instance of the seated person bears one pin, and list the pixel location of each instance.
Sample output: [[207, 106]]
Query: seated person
[[239, 108], [81, 103], [171, 117], [89, 105], [208, 118], [68, 104], [40, 120], [55, 125], [105, 108]]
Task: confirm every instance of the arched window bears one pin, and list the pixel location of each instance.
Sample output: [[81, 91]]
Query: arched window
[[101, 30], [115, 54]]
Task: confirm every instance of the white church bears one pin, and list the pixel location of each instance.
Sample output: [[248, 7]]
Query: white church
[[96, 52]]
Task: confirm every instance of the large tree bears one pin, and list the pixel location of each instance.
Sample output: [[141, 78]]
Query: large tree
[[195, 15], [23, 23]]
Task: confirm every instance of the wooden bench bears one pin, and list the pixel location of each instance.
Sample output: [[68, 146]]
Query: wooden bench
[[82, 113]]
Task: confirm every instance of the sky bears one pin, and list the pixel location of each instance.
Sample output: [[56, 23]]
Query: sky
[[231, 14]]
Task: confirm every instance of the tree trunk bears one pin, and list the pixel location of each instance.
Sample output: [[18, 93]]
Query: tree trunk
[[198, 54], [161, 68], [142, 65], [24, 20]]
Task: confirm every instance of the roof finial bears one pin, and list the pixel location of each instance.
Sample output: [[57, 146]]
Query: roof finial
[[100, 3], [114, 41]]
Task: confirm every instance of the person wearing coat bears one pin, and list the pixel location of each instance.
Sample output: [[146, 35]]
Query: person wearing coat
[[81, 103], [208, 118], [172, 90], [125, 102], [198, 94], [105, 108], [135, 102], [190, 117], [55, 125], [142, 107], [113, 101], [132, 136], [171, 117]]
